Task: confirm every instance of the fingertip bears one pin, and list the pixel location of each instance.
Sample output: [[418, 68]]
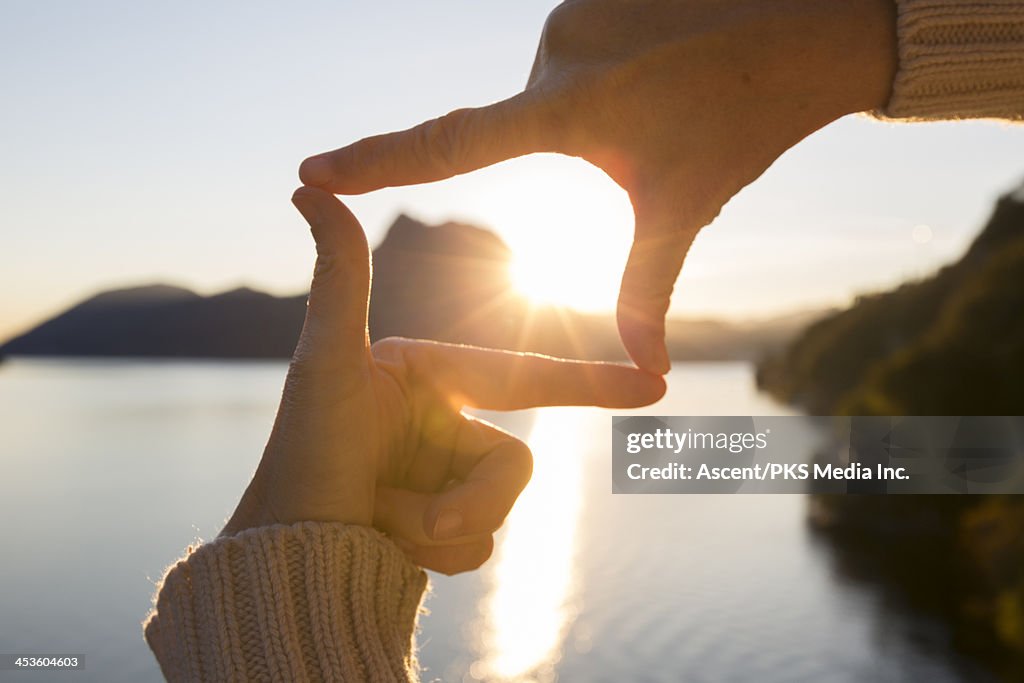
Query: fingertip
[[305, 201], [311, 195], [316, 171], [638, 388], [655, 389], [322, 206], [660, 363], [646, 347]]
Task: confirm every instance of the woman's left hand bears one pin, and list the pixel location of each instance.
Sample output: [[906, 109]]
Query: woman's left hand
[[375, 434]]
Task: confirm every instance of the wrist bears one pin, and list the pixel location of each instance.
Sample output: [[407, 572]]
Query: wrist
[[805, 63], [252, 511], [857, 58], [270, 499]]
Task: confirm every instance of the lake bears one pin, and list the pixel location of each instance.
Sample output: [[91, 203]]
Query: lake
[[111, 468]]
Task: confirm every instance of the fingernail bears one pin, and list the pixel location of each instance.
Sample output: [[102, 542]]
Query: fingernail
[[315, 171], [448, 525]]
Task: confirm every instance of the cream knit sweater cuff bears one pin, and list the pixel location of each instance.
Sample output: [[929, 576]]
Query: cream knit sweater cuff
[[959, 59], [312, 601]]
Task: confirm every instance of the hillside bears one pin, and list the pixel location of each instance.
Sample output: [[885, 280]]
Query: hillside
[[164, 321], [950, 344]]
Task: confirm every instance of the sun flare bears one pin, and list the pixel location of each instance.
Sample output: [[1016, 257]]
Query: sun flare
[[546, 278], [570, 235]]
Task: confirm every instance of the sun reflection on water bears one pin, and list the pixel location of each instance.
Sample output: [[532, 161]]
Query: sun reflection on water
[[531, 601]]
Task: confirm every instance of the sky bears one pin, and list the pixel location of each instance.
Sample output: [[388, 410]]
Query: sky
[[144, 142]]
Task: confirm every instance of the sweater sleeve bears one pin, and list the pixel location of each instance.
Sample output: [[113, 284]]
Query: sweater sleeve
[[959, 59], [311, 601]]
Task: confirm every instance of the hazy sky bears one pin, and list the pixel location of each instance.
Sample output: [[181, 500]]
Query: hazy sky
[[143, 142]]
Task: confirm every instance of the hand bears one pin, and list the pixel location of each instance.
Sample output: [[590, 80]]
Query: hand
[[682, 103], [374, 435]]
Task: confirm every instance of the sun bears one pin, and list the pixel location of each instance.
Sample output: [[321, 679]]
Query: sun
[[585, 283], [569, 235]]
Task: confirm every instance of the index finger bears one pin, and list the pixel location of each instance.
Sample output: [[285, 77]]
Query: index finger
[[507, 380], [461, 141]]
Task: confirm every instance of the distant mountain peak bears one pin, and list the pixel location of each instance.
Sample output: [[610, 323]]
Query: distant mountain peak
[[241, 292], [405, 223], [450, 238], [1018, 194], [142, 294]]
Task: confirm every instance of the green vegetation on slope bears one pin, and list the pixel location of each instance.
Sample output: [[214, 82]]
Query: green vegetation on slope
[[951, 344]]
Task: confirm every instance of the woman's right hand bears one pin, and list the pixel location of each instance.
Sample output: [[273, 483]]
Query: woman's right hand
[[681, 102]]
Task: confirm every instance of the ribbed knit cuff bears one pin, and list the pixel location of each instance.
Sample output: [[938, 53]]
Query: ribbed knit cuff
[[959, 59], [311, 601]]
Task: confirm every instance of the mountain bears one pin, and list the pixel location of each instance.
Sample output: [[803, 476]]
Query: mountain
[[163, 321], [448, 282]]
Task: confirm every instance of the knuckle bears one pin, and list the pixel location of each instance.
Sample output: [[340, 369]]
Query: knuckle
[[643, 307], [304, 384], [303, 369], [326, 264], [486, 550], [655, 291], [442, 143], [553, 118], [466, 559], [407, 360], [522, 459], [481, 554], [640, 287], [562, 24], [418, 363], [389, 348], [450, 565]]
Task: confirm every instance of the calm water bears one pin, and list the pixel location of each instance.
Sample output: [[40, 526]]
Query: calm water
[[109, 469]]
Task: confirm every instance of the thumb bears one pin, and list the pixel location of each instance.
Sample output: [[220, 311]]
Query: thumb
[[335, 326], [655, 259], [459, 142]]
